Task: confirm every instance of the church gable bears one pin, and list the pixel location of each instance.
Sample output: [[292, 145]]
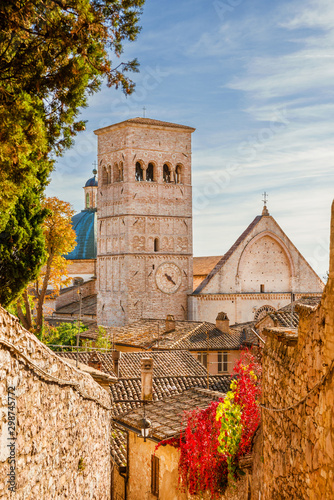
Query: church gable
[[263, 259]]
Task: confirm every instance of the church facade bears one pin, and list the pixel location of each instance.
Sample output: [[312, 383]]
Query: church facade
[[262, 272]]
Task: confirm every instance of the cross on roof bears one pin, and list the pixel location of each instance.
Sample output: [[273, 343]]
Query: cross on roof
[[265, 198]]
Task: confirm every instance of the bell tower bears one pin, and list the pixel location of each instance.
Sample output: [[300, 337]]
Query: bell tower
[[144, 254]]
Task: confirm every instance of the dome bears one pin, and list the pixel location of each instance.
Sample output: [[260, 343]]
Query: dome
[[85, 227], [91, 182]]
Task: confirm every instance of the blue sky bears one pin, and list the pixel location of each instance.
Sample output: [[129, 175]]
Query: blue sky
[[255, 78]]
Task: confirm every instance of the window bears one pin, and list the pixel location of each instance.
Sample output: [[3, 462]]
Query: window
[[203, 358], [104, 176], [116, 173], [139, 172], [154, 475], [166, 173], [262, 288], [156, 244], [150, 173], [222, 362], [109, 174], [87, 200], [178, 174], [121, 172]]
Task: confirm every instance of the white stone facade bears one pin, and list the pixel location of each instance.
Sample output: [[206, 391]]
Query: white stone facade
[[144, 221], [262, 269]]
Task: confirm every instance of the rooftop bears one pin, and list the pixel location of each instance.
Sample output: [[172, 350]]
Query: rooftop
[[85, 227], [166, 415], [188, 335], [144, 121]]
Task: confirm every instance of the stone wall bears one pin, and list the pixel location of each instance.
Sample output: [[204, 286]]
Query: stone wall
[[61, 419], [298, 440]]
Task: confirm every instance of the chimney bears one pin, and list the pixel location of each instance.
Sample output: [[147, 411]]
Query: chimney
[[223, 323], [170, 323], [146, 379], [115, 357]]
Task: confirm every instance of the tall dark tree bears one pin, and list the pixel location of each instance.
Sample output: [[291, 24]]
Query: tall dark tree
[[53, 54]]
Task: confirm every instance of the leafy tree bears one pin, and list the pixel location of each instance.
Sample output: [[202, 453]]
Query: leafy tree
[[60, 240], [64, 334], [53, 54], [22, 246], [102, 341]]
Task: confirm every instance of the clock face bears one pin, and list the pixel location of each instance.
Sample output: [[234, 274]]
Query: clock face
[[168, 277]]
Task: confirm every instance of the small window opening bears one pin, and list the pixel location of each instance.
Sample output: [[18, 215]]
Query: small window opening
[[166, 173], [104, 176], [156, 244], [121, 172], [139, 172], [109, 174], [87, 200], [222, 362], [150, 172], [202, 357], [116, 173], [154, 475], [178, 174], [262, 288]]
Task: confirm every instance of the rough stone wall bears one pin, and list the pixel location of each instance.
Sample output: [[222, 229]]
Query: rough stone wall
[[83, 268], [87, 289], [62, 446], [298, 443], [133, 214]]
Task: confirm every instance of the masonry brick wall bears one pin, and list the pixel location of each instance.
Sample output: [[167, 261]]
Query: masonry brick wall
[[298, 443], [63, 432], [133, 214]]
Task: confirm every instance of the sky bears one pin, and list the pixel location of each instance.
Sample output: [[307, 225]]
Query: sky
[[255, 78]]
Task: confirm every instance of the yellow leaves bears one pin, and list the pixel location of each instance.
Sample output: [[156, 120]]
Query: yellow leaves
[[58, 231]]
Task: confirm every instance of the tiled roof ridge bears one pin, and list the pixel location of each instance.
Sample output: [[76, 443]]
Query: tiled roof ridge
[[146, 121], [187, 334], [227, 255]]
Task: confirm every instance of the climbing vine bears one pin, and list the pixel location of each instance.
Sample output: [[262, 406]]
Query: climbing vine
[[214, 438]]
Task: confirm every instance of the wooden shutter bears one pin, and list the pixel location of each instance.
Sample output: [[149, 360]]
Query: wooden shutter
[[154, 475]]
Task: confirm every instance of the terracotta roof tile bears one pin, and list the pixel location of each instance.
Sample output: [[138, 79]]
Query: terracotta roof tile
[[203, 265], [107, 365], [166, 415], [145, 121]]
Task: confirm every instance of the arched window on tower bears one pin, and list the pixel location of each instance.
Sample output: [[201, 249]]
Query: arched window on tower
[[109, 174], [150, 172], [178, 171], [87, 200], [104, 176], [139, 172], [121, 172], [116, 173], [156, 244], [166, 173]]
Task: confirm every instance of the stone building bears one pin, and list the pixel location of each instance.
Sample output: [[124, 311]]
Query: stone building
[[259, 274], [141, 235], [144, 255]]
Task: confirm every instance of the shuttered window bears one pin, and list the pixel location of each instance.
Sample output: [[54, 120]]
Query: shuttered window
[[154, 475], [222, 362]]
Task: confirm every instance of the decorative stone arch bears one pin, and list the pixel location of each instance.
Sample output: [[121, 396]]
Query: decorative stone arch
[[139, 171], [167, 172], [150, 175], [109, 174], [253, 241], [104, 175], [121, 171], [262, 311], [178, 173]]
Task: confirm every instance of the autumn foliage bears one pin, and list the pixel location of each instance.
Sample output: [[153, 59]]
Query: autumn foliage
[[214, 438]]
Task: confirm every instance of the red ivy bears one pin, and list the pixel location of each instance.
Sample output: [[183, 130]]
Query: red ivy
[[201, 467]]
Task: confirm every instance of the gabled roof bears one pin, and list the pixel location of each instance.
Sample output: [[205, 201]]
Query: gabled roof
[[288, 316], [107, 364], [144, 121], [88, 307], [166, 416], [188, 335], [203, 265], [225, 257], [165, 364]]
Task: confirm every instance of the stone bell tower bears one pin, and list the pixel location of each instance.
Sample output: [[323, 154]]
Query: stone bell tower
[[144, 256]]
